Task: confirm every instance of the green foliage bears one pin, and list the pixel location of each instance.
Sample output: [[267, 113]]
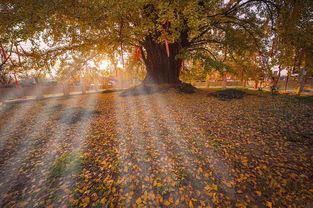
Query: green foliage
[[294, 34], [193, 71], [210, 64]]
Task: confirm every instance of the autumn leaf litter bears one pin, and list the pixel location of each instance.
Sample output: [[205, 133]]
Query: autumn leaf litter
[[165, 149]]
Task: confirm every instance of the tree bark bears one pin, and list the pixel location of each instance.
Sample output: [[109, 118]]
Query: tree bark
[[301, 81], [256, 84], [277, 78], [287, 79], [242, 79], [301, 73], [224, 82], [207, 81], [161, 69], [83, 86]]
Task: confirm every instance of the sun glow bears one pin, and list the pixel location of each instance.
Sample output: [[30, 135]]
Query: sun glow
[[104, 64]]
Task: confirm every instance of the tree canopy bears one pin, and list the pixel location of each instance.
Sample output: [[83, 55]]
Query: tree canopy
[[213, 31]]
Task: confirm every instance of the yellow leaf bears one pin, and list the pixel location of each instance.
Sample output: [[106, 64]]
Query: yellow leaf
[[166, 203], [177, 202], [86, 201], [214, 187], [259, 193], [215, 198], [22, 204], [94, 197], [269, 204], [293, 175], [138, 201], [245, 162], [228, 184], [241, 205], [151, 196], [103, 200], [158, 184], [207, 187], [160, 198], [191, 204]]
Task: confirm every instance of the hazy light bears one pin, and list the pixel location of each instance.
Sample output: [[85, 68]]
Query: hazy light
[[128, 136], [26, 147], [53, 145], [104, 65], [78, 144]]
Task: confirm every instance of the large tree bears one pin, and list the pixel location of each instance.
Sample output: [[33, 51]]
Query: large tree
[[189, 27]]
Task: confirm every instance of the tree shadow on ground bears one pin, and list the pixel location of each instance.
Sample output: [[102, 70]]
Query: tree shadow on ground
[[143, 90], [228, 94], [59, 97], [74, 115], [111, 91], [147, 89]]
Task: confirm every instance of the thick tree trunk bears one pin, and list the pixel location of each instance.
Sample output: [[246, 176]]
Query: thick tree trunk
[[161, 69]]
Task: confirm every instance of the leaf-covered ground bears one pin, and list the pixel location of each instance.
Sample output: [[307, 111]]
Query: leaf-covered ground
[[163, 149]]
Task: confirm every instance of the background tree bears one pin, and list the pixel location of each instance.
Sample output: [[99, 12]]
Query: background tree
[[294, 29]]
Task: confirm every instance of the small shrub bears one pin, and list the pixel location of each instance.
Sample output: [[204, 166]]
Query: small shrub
[[274, 89], [228, 94]]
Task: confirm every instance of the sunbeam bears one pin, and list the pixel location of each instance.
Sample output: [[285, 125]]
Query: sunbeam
[[78, 148], [29, 146], [19, 114], [26, 147], [183, 136], [163, 164], [52, 146], [132, 149], [141, 103]]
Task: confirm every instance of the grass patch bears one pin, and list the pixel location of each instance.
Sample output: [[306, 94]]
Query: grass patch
[[7, 107], [183, 177], [163, 190], [300, 99], [217, 143], [66, 163]]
